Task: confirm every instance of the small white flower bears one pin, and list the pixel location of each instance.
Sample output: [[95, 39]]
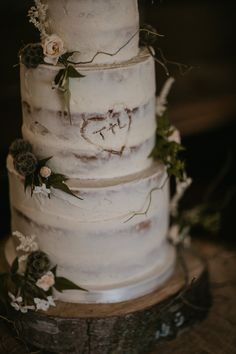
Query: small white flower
[[16, 303], [44, 305], [27, 243], [42, 189], [162, 98], [24, 309], [53, 48], [173, 234], [45, 172], [177, 236], [179, 319], [15, 299], [51, 301], [38, 16], [46, 281], [165, 330], [41, 304], [181, 188], [175, 136]]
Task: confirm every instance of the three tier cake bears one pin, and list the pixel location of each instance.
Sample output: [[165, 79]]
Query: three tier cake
[[89, 109]]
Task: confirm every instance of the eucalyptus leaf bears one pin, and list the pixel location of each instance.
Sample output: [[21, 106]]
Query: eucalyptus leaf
[[64, 58], [73, 73], [67, 97], [43, 162], [28, 181], [59, 77], [65, 284], [54, 270], [64, 188]]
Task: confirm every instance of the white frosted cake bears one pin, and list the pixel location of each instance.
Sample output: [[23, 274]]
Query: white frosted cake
[[113, 240]]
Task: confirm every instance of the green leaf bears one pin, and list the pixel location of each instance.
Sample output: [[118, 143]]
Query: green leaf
[[64, 58], [64, 188], [56, 178], [29, 181], [15, 266], [168, 151], [54, 270], [65, 284], [60, 76], [43, 162], [67, 96], [73, 73]]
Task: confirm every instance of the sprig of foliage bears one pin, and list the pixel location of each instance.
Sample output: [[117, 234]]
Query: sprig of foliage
[[62, 80], [55, 180], [166, 150], [37, 175], [23, 285]]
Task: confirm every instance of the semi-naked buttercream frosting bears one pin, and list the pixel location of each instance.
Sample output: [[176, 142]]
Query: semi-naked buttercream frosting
[[92, 26], [113, 242], [112, 113]]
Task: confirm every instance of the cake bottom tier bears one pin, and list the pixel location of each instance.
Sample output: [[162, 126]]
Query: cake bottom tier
[[112, 243], [124, 292]]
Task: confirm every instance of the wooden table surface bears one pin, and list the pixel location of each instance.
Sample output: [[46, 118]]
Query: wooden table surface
[[215, 335]]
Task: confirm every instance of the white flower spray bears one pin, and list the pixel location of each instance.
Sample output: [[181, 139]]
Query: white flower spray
[[38, 17], [161, 103]]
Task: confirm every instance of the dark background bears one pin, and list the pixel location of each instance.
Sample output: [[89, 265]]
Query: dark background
[[202, 102]]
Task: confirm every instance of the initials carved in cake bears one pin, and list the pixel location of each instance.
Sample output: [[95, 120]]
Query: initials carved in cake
[[108, 132]]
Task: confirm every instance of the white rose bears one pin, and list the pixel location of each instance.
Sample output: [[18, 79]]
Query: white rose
[[53, 48], [46, 281], [45, 172]]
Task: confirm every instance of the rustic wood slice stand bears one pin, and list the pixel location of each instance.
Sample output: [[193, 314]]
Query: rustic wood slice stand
[[130, 327]]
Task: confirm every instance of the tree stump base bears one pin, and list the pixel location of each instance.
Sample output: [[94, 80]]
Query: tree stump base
[[131, 327]]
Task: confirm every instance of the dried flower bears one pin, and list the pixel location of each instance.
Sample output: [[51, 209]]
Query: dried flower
[[38, 264], [45, 172], [38, 16], [27, 243], [25, 163], [19, 146], [46, 281], [32, 55], [53, 48]]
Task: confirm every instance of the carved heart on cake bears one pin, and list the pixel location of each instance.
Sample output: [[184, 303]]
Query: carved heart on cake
[[108, 132]]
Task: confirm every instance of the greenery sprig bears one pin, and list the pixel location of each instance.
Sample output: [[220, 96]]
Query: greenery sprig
[[31, 288], [37, 175], [32, 56], [62, 80], [167, 150]]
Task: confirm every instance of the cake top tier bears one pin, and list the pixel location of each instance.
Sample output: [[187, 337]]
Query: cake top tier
[[92, 26]]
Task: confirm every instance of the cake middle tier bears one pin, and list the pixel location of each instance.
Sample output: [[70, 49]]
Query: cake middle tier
[[114, 237], [111, 130]]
